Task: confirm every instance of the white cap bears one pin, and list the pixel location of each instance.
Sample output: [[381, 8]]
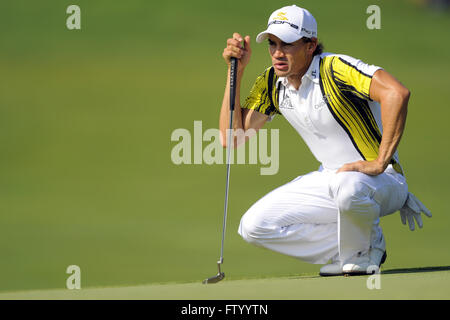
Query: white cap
[[290, 24]]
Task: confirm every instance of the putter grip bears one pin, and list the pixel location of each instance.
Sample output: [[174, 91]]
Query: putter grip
[[233, 71]]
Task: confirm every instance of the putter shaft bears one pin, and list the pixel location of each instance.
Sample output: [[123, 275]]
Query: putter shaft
[[233, 70]]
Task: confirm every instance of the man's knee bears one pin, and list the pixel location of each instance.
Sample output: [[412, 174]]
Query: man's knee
[[352, 194], [251, 230]]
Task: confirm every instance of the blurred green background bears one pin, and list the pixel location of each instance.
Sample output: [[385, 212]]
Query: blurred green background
[[86, 117]]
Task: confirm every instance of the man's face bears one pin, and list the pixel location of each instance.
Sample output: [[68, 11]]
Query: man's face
[[290, 59]]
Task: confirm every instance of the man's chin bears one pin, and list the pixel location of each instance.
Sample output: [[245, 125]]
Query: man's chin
[[281, 73]]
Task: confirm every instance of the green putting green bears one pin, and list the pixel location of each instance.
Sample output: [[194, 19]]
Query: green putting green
[[431, 283]]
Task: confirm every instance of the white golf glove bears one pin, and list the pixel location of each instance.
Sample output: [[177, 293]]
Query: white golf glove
[[412, 210]]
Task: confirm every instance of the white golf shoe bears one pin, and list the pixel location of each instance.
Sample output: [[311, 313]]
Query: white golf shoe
[[331, 269], [368, 263], [360, 264]]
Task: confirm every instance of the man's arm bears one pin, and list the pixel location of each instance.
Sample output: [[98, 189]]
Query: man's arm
[[243, 119], [393, 98]]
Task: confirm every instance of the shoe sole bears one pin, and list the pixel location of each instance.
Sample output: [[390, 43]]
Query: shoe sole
[[363, 273], [330, 274]]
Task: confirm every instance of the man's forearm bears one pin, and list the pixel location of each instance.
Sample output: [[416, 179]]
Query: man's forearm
[[393, 117]]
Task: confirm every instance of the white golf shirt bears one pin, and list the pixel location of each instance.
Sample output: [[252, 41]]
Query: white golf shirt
[[331, 110]]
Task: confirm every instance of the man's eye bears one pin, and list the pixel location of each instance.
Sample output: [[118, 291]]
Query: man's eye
[[271, 43]]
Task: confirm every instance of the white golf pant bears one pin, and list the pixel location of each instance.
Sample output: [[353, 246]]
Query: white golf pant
[[325, 215]]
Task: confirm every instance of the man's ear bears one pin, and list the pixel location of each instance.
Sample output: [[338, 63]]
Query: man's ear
[[312, 45]]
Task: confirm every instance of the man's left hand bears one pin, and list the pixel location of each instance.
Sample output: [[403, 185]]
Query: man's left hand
[[411, 210], [372, 168]]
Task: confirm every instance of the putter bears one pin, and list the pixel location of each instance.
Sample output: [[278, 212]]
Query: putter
[[219, 276]]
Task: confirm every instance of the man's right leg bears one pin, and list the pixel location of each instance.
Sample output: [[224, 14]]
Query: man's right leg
[[361, 200], [298, 219]]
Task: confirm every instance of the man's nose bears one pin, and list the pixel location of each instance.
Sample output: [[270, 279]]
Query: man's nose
[[278, 53]]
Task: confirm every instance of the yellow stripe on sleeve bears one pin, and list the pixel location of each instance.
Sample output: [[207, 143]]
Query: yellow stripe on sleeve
[[263, 95]]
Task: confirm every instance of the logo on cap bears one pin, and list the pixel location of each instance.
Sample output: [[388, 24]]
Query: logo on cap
[[280, 16]]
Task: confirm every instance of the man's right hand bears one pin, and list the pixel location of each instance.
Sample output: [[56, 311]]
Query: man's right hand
[[235, 49]]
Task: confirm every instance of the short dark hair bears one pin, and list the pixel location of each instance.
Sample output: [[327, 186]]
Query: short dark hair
[[319, 48]]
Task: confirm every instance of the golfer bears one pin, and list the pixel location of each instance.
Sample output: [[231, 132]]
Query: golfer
[[351, 115]]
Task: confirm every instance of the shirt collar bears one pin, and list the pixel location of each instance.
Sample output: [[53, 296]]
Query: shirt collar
[[312, 73], [313, 70]]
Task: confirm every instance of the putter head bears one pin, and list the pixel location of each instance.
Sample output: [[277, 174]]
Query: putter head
[[214, 279], [219, 276]]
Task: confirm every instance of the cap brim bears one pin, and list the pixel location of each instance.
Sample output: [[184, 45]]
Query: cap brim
[[281, 32]]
